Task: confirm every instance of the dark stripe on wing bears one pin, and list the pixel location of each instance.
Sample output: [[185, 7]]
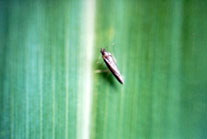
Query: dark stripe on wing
[[114, 72]]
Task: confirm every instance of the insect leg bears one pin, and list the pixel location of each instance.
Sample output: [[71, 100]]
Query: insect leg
[[101, 71]]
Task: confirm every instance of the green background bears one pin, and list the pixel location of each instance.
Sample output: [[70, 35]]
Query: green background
[[160, 48]]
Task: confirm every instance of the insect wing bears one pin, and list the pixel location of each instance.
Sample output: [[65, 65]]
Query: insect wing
[[109, 60], [113, 68]]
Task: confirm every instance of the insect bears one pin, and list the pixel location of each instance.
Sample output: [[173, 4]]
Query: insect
[[111, 64]]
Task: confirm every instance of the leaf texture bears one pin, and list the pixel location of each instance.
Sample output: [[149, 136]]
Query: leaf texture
[[50, 52]]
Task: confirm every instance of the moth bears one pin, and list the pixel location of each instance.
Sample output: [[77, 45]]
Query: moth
[[111, 64]]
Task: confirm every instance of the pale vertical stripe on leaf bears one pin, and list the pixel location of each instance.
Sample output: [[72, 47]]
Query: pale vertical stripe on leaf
[[85, 70], [40, 88], [27, 93], [53, 97], [66, 85]]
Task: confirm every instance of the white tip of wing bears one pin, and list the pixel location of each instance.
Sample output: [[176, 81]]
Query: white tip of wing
[[121, 79]]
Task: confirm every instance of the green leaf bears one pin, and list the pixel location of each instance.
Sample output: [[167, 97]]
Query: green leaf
[[50, 55]]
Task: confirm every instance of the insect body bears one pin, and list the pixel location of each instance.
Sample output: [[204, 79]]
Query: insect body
[[111, 64]]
